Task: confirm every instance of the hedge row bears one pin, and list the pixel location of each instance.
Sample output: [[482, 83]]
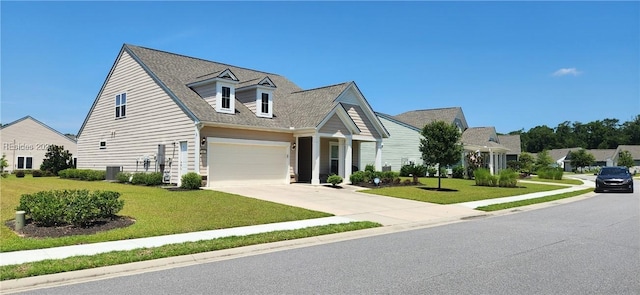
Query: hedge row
[[83, 174], [140, 178], [507, 178], [75, 207]]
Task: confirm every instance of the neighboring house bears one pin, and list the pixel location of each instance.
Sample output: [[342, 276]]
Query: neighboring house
[[559, 156], [485, 140], [403, 146], [26, 140], [514, 144], [635, 154], [160, 111], [603, 157]]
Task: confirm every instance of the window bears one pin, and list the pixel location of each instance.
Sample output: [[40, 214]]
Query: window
[[121, 105], [25, 163], [265, 103], [103, 145], [226, 97]]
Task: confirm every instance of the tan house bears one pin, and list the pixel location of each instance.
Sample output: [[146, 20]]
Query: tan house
[[485, 140], [26, 140], [160, 111]]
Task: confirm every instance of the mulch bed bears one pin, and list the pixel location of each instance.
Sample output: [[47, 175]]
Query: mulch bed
[[31, 230]]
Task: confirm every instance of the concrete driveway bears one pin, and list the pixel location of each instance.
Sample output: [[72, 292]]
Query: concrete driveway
[[347, 202]]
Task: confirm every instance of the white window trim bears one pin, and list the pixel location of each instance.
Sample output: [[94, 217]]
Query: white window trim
[[126, 97], [232, 98], [331, 145], [259, 112]]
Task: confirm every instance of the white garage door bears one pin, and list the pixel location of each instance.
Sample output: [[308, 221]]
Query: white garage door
[[247, 162]]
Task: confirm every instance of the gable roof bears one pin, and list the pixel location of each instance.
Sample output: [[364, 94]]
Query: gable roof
[[175, 73], [43, 125], [419, 118], [479, 137], [557, 154], [633, 149], [512, 142], [394, 120]]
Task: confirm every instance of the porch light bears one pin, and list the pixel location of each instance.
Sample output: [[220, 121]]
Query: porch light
[[293, 146]]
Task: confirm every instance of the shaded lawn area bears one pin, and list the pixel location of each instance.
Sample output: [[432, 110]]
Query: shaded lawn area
[[457, 191], [157, 211]]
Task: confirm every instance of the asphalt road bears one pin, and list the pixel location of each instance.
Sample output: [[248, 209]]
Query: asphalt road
[[590, 246]]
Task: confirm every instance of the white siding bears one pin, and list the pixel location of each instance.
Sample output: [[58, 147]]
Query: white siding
[[28, 138], [248, 98], [403, 143], [208, 93], [152, 118]]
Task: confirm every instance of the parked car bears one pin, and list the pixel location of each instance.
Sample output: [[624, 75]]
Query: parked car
[[614, 179]]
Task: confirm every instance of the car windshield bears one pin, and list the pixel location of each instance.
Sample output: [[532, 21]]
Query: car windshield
[[612, 171]]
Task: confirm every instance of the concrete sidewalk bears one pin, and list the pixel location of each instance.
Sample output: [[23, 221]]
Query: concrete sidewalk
[[347, 204]]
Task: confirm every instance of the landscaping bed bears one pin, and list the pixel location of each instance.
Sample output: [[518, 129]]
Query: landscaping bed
[[31, 230]]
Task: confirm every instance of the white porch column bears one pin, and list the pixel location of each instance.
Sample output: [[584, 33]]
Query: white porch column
[[315, 160], [378, 162], [491, 169], [348, 159], [341, 154]]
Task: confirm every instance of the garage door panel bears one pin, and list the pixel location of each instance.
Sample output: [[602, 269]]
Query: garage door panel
[[241, 164]]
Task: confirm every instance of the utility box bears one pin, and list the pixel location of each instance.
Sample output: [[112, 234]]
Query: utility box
[[112, 172], [386, 168]]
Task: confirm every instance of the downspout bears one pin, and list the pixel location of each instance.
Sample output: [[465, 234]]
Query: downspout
[[196, 161]]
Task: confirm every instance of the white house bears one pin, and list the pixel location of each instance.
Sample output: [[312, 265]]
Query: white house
[[26, 140], [166, 112]]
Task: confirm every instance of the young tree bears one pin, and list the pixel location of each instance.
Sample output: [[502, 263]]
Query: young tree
[[581, 158], [56, 159], [3, 163], [625, 159], [526, 162], [440, 146], [543, 160]]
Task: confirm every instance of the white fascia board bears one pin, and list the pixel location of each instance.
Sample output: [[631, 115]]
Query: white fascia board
[[365, 106]]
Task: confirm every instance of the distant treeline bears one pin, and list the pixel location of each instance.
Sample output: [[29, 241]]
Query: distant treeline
[[605, 134]]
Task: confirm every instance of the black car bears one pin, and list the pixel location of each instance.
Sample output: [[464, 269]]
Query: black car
[[614, 179]]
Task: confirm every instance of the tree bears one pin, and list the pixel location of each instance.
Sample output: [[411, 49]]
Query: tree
[[625, 159], [56, 159], [543, 160], [440, 146], [526, 162], [581, 158], [3, 163]]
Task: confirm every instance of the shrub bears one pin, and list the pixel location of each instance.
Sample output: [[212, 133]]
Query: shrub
[[357, 177], [139, 178], [82, 174], [76, 207], [432, 171], [551, 173], [154, 178], [458, 172], [482, 176], [5, 174], [370, 175], [389, 176], [370, 168], [334, 179], [19, 174], [191, 180], [508, 178], [36, 173], [123, 177], [407, 182], [413, 170]]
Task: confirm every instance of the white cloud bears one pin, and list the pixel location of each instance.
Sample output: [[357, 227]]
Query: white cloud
[[566, 71]]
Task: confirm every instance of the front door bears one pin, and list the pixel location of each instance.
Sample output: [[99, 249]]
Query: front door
[[334, 155], [183, 158]]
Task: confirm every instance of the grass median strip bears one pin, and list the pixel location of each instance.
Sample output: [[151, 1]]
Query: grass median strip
[[121, 257], [508, 205]]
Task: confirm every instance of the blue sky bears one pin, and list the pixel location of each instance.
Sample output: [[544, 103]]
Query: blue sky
[[512, 65]]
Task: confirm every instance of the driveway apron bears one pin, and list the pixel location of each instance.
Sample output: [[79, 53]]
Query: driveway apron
[[347, 202]]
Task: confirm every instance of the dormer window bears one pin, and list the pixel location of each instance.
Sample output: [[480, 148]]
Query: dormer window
[[264, 103], [226, 97]]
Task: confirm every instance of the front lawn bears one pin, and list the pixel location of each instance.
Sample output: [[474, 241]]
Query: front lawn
[[457, 191], [156, 211]]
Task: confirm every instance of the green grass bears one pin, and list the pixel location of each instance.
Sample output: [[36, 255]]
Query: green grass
[[503, 206], [561, 181], [156, 211], [464, 191], [120, 257]]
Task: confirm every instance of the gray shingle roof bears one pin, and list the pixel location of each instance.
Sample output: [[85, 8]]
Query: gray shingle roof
[[482, 136], [512, 142], [176, 71], [557, 154], [419, 118], [633, 149]]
